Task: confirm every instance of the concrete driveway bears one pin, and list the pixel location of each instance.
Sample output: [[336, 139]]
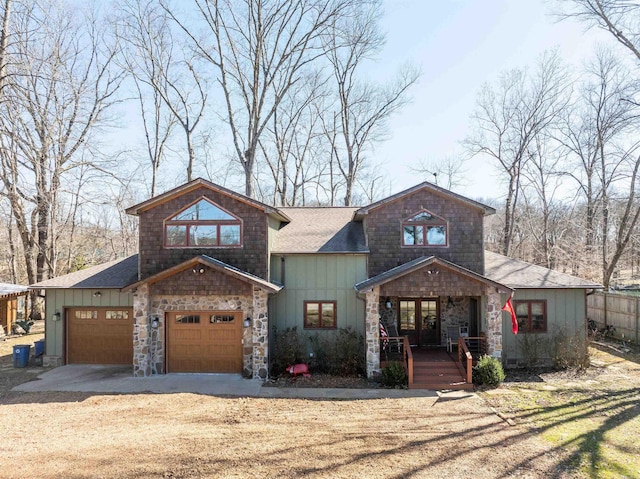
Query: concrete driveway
[[119, 380]]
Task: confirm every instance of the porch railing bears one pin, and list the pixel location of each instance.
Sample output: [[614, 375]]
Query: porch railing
[[408, 360]]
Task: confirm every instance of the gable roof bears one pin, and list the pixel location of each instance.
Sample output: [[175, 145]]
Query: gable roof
[[113, 274], [198, 183], [488, 210], [8, 290], [213, 264], [422, 262], [522, 275], [320, 230]]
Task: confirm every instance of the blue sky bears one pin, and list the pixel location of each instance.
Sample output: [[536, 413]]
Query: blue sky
[[459, 45]]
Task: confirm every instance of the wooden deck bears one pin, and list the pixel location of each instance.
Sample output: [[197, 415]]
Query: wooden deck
[[436, 369]]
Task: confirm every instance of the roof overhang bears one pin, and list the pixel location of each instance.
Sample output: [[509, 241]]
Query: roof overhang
[[214, 264], [359, 214], [425, 262], [135, 210]]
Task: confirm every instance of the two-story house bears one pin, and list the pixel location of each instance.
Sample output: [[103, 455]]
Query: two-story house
[[218, 271]]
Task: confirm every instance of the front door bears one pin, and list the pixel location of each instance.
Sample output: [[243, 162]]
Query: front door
[[420, 321]]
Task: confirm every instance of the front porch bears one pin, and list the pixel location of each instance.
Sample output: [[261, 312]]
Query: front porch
[[435, 368]]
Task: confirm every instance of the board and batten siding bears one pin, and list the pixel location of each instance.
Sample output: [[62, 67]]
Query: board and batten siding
[[566, 311], [322, 277], [57, 300]]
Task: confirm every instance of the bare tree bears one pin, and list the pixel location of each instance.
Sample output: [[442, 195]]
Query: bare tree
[[509, 117], [259, 49], [362, 107], [448, 173], [59, 90]]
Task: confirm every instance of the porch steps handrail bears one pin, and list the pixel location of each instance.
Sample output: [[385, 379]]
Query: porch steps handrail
[[463, 350]]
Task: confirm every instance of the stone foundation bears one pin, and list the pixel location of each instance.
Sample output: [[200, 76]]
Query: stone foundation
[[51, 361]]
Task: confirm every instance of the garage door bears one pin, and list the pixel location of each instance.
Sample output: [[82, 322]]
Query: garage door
[[100, 336], [204, 342]]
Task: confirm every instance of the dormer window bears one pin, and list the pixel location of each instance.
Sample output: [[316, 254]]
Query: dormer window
[[424, 229], [202, 224]]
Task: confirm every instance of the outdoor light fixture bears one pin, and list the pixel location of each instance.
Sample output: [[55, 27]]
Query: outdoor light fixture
[[449, 302], [155, 323], [433, 271], [97, 294], [55, 316], [199, 270], [247, 322], [388, 303]]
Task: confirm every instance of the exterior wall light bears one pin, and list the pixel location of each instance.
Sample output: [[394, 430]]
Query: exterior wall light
[[56, 316], [388, 303], [247, 322], [155, 323], [97, 294], [199, 270]]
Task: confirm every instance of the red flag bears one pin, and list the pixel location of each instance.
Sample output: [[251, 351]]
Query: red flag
[[508, 306]]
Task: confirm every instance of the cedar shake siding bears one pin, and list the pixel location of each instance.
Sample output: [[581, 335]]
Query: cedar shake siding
[[383, 227], [251, 256], [207, 283]]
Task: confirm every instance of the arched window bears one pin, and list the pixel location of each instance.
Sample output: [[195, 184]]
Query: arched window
[[424, 229], [202, 224]]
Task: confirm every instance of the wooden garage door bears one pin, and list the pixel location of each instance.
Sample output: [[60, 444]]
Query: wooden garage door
[[204, 342], [100, 336]]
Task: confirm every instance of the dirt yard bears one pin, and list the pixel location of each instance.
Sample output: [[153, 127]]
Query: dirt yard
[[75, 435]]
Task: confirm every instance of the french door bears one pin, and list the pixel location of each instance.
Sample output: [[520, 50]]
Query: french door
[[419, 319]]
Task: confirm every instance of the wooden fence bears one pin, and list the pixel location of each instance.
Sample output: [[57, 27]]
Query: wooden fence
[[622, 311]]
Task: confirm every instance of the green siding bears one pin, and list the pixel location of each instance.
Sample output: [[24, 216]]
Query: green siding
[[59, 299], [566, 311], [318, 277], [273, 225]]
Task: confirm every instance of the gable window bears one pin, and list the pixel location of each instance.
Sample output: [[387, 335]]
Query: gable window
[[424, 229], [320, 314], [531, 315], [202, 224]]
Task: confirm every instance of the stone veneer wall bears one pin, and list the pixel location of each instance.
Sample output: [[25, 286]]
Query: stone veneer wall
[[494, 323], [148, 345], [372, 331]]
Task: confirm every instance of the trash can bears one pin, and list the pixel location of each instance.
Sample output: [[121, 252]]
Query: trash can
[[38, 348], [21, 355]]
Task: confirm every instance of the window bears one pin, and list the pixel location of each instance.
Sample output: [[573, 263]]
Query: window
[[202, 224], [531, 315], [221, 318], [424, 229], [188, 318], [116, 314], [320, 314], [86, 314]]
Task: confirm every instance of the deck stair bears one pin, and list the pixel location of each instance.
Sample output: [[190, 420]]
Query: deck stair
[[437, 370]]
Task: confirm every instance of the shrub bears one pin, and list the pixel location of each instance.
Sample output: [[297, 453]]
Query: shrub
[[287, 350], [488, 371], [394, 375], [569, 351], [348, 353]]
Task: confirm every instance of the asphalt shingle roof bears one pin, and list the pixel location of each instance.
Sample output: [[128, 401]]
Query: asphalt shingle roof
[[320, 230], [519, 274], [114, 274]]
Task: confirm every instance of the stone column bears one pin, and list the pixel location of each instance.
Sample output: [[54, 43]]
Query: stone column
[[141, 360], [372, 331], [494, 323], [260, 335]]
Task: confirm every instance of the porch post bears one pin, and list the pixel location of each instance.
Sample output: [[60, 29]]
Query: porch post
[[141, 359], [372, 331], [494, 323], [259, 351]]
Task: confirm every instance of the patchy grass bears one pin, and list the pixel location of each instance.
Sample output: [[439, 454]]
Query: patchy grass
[[594, 416]]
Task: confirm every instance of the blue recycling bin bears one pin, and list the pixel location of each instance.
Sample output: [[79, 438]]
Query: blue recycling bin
[[38, 348], [21, 355]]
